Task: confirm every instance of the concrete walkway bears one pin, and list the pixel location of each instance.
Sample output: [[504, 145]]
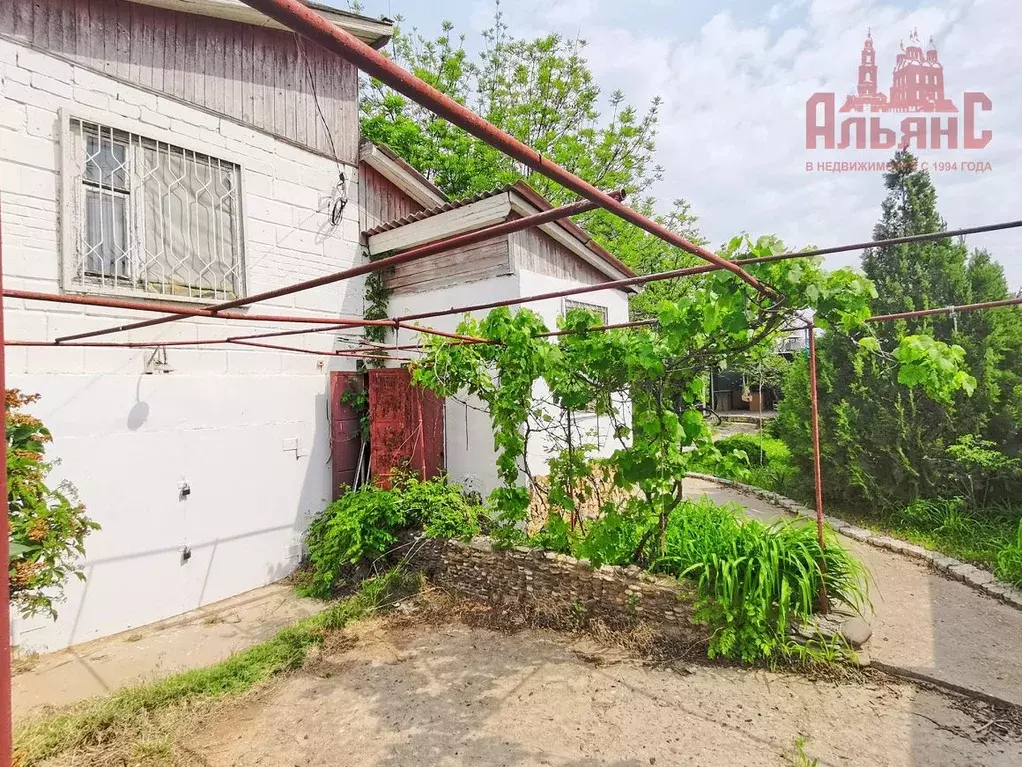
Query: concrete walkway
[[193, 640], [922, 622]]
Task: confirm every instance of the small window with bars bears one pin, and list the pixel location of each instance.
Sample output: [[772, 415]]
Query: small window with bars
[[150, 218], [601, 311]]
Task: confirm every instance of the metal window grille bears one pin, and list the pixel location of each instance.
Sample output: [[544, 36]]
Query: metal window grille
[[151, 218], [601, 311]]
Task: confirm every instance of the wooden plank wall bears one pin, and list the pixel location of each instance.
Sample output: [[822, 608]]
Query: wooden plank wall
[[539, 253], [381, 201], [254, 75], [454, 267]]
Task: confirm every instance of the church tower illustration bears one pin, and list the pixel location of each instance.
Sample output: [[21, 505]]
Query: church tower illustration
[[866, 97], [917, 84]]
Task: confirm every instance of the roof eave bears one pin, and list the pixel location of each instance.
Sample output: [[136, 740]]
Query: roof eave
[[401, 174], [597, 256], [374, 32]]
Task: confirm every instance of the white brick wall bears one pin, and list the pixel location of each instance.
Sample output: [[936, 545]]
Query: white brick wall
[[219, 420]]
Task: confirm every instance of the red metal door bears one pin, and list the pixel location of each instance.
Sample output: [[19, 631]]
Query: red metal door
[[345, 430], [406, 426]]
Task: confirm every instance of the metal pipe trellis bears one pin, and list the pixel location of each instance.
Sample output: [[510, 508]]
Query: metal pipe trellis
[[693, 270], [406, 256]]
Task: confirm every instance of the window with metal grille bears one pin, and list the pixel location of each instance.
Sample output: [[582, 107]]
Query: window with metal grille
[[601, 311], [151, 218]]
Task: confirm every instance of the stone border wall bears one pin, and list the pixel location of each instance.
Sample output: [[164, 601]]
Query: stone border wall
[[620, 596], [970, 575]]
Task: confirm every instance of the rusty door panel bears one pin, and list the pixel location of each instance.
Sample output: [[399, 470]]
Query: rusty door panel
[[345, 431], [406, 426]]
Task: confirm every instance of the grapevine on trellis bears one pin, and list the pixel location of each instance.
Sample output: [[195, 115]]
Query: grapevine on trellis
[[532, 384]]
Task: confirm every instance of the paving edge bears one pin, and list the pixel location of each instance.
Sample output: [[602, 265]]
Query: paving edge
[[972, 576], [918, 677]]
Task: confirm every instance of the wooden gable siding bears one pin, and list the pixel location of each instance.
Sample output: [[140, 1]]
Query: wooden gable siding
[[254, 75], [380, 200], [537, 252], [454, 267]]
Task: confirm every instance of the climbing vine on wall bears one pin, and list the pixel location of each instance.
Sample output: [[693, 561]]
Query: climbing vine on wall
[[377, 306]]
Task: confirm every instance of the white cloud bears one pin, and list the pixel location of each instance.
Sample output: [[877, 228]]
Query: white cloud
[[732, 137]]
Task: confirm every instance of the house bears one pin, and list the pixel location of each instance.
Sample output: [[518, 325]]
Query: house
[[548, 258], [193, 152]]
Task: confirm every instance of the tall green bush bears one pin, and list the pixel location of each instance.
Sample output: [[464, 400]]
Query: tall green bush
[[884, 445]]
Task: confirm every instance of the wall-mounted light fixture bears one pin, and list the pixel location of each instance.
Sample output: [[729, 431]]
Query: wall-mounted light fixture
[[157, 362]]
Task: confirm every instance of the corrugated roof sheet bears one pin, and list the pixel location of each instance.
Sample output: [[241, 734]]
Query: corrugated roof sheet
[[429, 212]]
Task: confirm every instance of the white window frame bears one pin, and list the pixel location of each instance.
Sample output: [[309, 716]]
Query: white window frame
[[71, 214]]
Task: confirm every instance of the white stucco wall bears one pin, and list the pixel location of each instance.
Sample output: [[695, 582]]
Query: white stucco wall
[[246, 429]]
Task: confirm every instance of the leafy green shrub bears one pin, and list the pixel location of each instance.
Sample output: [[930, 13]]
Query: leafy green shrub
[[1009, 560], [360, 525], [758, 449], [616, 536], [441, 508], [756, 459], [363, 525], [979, 468], [48, 526], [755, 579]]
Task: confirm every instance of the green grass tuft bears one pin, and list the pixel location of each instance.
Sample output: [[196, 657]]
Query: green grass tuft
[[756, 580]]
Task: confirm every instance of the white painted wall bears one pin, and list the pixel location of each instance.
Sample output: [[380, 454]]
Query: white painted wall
[[246, 429]]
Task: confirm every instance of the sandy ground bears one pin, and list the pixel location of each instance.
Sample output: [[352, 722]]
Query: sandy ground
[[453, 695], [921, 620]]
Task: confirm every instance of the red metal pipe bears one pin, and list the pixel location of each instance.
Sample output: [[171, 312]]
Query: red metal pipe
[[412, 254], [357, 353], [342, 353], [305, 21], [6, 713], [693, 270], [146, 307], [442, 333], [814, 410], [184, 311], [946, 310]]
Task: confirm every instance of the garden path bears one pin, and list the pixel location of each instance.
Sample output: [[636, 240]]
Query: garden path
[[922, 622]]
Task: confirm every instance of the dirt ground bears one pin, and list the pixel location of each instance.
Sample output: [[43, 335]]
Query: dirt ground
[[398, 693]]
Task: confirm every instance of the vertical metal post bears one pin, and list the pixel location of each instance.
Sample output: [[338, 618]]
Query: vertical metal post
[[814, 407], [422, 431], [6, 715]]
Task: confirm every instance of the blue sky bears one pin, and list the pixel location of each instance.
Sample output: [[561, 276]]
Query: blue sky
[[735, 76]]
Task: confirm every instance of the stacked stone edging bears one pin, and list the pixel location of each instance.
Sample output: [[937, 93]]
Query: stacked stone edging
[[975, 577], [620, 596]]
